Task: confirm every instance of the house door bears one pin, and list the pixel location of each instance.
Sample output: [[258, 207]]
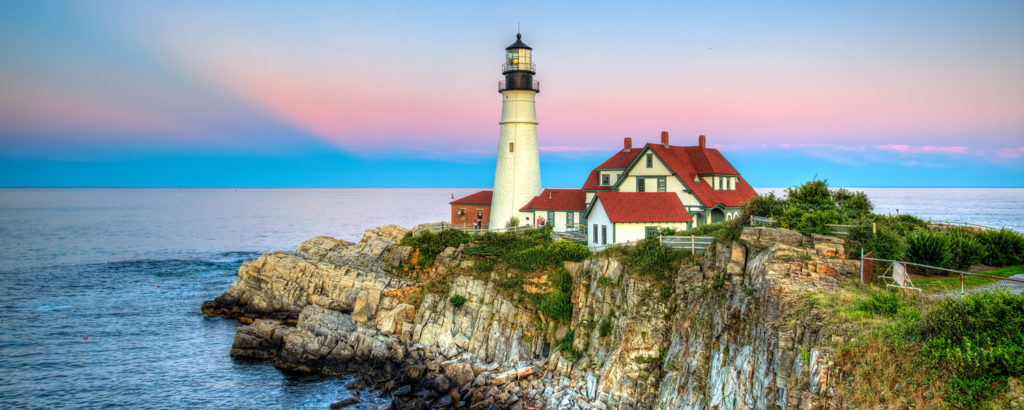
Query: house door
[[717, 216]]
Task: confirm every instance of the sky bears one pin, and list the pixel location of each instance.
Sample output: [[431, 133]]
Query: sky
[[346, 93]]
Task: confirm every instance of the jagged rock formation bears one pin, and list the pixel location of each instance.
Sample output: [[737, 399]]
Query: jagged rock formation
[[724, 335]]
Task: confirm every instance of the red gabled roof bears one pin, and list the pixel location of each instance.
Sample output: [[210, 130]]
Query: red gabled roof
[[620, 160], [689, 162], [558, 199], [636, 207], [479, 198]]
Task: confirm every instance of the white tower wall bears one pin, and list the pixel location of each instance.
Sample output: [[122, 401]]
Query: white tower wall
[[517, 174]]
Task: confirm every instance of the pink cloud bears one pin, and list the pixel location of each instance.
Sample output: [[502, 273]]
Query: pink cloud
[[926, 149], [1011, 153]]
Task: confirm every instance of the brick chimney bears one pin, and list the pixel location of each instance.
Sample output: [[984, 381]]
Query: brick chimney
[[702, 141], [664, 138], [627, 144]]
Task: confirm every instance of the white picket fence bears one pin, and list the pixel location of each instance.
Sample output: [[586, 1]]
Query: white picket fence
[[695, 244]]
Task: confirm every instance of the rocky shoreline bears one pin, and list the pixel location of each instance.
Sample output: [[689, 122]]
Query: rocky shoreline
[[725, 336]]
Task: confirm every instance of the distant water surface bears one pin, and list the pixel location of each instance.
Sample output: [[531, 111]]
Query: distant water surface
[[128, 269]]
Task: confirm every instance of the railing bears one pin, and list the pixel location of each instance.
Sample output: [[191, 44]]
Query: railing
[[761, 221], [840, 230], [959, 272], [536, 85], [470, 229], [695, 244], [963, 224], [517, 66]]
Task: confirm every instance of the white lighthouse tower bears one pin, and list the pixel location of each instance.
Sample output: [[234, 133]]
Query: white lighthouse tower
[[517, 174]]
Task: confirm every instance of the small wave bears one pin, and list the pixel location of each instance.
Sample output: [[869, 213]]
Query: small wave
[[225, 260], [48, 308]]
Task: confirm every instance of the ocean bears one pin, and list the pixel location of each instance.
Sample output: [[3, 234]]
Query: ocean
[[100, 289]]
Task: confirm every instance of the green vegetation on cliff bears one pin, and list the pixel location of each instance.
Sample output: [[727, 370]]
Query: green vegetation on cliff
[[900, 351]]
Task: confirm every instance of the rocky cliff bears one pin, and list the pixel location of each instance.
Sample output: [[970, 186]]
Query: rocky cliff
[[726, 333]]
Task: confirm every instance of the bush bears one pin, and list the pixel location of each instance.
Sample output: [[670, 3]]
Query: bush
[[430, 244], [977, 339], [852, 204], [557, 305], [514, 283], [1004, 247], [569, 251], [965, 248], [457, 300], [886, 243], [532, 259], [929, 248], [813, 195], [883, 303], [765, 205], [605, 328], [650, 257]]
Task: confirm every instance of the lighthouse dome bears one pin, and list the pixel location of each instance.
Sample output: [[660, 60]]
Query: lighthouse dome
[[519, 43]]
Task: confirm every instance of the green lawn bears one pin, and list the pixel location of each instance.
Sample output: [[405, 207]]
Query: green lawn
[[941, 284]]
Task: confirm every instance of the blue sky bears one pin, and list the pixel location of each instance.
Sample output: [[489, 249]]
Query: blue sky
[[232, 93]]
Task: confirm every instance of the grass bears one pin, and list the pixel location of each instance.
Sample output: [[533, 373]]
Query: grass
[[945, 284]]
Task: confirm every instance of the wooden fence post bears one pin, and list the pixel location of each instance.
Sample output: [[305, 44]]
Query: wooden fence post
[[693, 248]]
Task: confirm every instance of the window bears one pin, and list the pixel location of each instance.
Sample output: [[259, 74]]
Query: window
[[650, 160], [604, 234], [650, 232], [595, 235], [570, 218], [479, 214], [511, 147], [661, 184], [640, 185], [551, 218], [605, 179]]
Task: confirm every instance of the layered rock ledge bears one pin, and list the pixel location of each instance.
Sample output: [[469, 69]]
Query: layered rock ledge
[[724, 334]]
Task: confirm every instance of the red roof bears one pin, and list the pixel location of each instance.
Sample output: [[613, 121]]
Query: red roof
[[558, 199], [689, 162], [479, 198], [620, 160], [635, 207]]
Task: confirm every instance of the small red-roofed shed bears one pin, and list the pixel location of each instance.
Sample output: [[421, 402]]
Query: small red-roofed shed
[[473, 210]]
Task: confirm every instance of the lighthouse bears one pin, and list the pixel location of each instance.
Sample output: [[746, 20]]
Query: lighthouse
[[517, 174]]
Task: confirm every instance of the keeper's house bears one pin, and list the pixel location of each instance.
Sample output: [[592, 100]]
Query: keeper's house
[[634, 194], [705, 187]]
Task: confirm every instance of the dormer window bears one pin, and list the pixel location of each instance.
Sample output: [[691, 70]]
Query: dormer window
[[605, 180]]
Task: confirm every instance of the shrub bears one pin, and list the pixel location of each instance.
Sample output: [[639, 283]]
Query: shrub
[[430, 244], [1004, 247], [605, 328], [965, 248], [886, 243], [977, 339], [557, 305], [514, 283], [569, 251], [813, 195], [649, 257], [532, 259], [883, 303], [929, 248], [561, 280], [852, 204], [565, 346], [765, 205], [604, 281], [457, 300]]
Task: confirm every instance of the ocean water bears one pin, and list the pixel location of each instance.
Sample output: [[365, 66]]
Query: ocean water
[[100, 289]]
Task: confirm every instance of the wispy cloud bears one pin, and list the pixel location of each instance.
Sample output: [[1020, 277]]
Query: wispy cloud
[[923, 149], [1011, 153]]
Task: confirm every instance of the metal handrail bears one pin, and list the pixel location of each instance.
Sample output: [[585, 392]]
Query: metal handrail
[[962, 273], [504, 67]]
